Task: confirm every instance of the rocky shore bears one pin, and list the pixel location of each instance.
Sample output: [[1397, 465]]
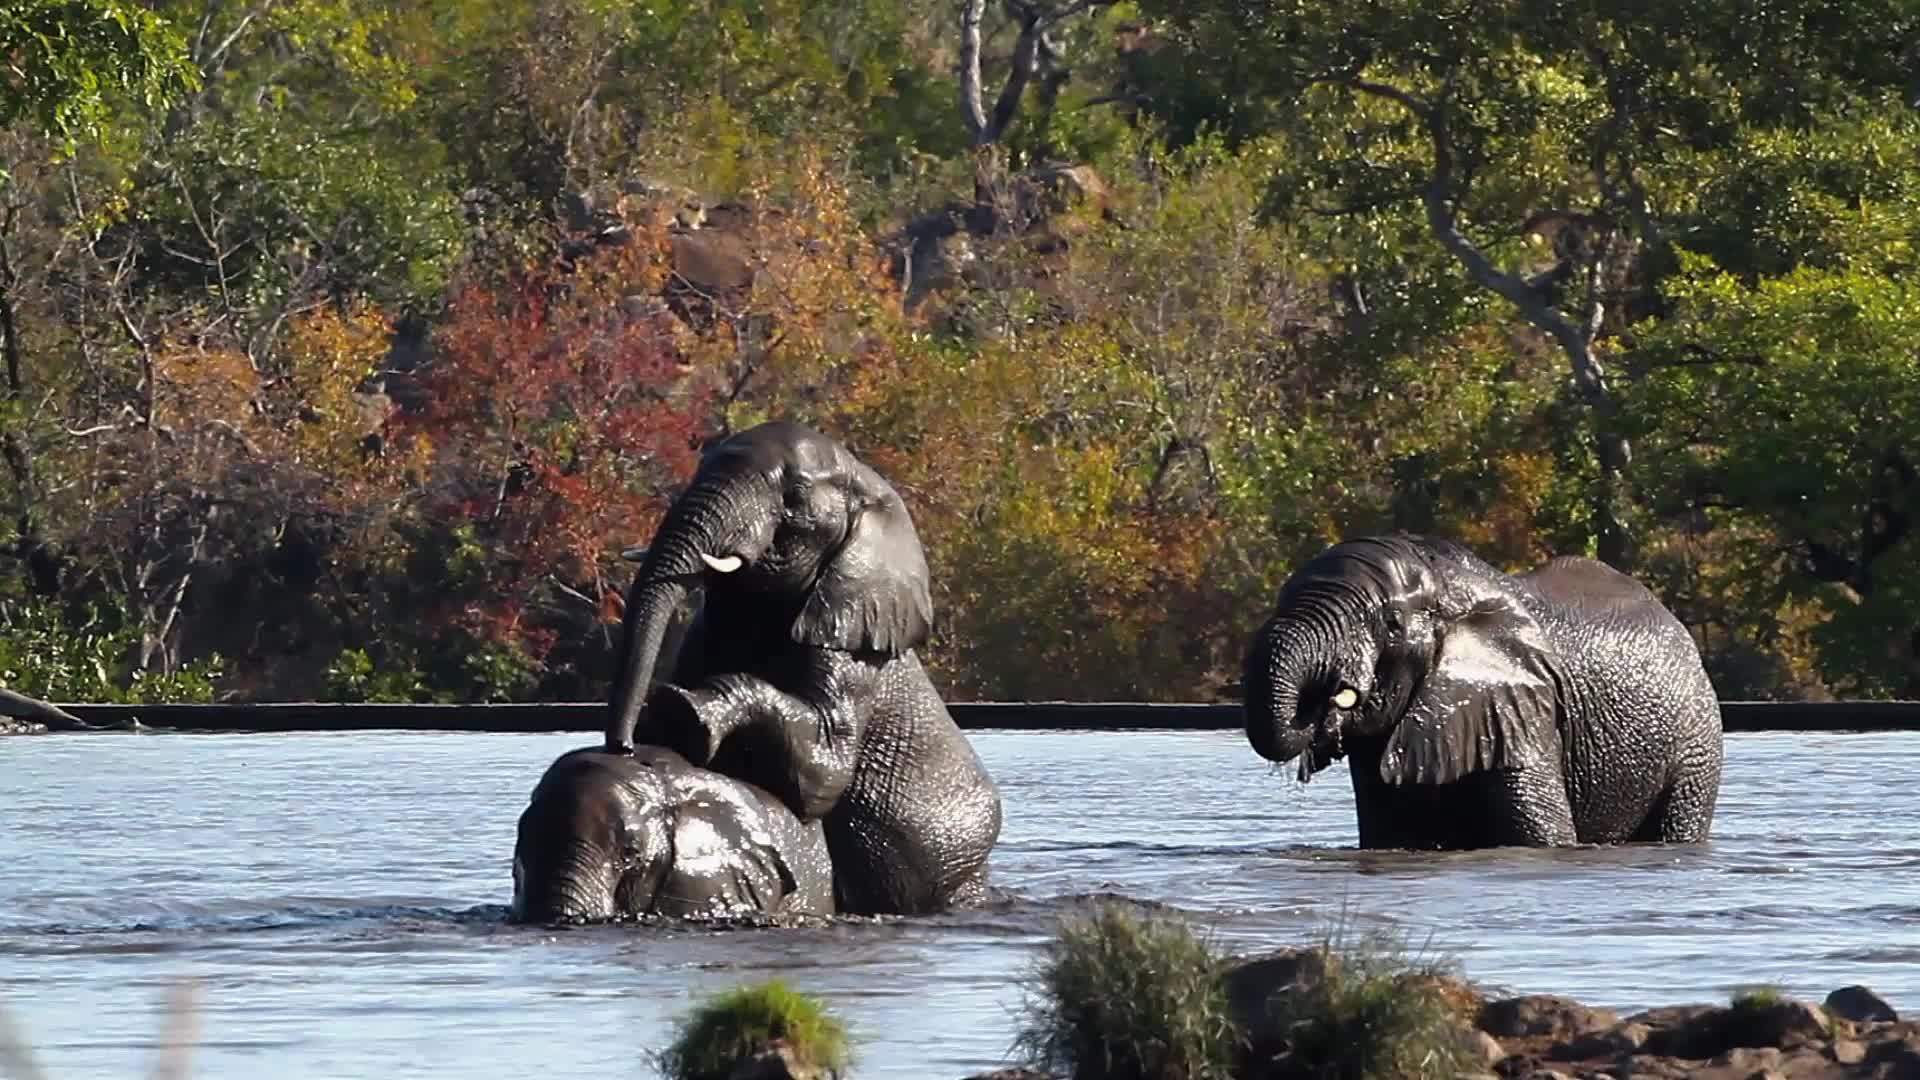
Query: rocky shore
[[1760, 1035]]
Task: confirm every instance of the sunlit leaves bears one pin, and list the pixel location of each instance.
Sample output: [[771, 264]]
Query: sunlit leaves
[[66, 64]]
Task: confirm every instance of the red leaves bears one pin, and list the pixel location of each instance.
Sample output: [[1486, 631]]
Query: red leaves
[[562, 416]]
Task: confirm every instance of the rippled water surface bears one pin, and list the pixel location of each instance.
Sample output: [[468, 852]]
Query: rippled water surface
[[339, 898]]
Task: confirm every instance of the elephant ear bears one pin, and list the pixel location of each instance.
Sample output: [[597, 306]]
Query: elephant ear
[[744, 870], [1490, 701], [873, 594]]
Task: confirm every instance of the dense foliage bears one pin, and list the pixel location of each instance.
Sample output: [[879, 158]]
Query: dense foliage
[[346, 344]]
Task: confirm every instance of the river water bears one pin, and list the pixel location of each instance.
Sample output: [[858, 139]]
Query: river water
[[339, 900]]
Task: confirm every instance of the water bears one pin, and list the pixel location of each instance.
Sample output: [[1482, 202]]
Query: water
[[339, 897]]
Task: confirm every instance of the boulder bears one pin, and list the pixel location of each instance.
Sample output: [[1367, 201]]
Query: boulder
[[1254, 985], [1860, 1005], [1538, 1015]]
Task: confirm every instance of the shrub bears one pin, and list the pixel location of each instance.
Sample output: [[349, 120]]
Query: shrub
[[737, 1024], [1123, 996], [1379, 1011]]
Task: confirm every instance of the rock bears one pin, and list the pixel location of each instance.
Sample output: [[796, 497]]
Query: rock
[[777, 1062], [1621, 1038], [1897, 1057], [1748, 1059], [1648, 1067], [1861, 1005], [1253, 985], [1485, 1047], [1692, 1031], [1784, 1023], [1849, 1051], [1542, 1014]]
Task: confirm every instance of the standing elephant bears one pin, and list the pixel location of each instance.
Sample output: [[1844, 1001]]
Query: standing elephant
[[645, 833], [799, 673], [1478, 709]]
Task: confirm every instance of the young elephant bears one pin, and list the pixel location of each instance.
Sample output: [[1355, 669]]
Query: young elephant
[[1476, 709], [799, 672], [646, 833]]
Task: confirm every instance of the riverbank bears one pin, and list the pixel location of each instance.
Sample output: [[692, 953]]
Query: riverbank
[[1121, 995]]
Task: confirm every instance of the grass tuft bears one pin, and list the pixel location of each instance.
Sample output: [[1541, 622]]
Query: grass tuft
[[1127, 996], [1379, 1011], [734, 1025], [1758, 998]]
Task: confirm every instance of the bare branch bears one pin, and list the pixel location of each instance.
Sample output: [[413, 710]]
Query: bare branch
[[972, 107]]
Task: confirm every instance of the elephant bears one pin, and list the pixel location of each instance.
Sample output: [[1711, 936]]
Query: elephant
[[646, 833], [1561, 706], [799, 673]]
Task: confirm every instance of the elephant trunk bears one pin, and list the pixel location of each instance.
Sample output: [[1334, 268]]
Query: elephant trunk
[[683, 548], [1286, 656], [578, 884]]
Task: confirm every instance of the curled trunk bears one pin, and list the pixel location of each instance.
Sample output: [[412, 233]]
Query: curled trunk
[[1279, 664]]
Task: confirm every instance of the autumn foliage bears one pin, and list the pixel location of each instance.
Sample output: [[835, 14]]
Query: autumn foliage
[[348, 368]]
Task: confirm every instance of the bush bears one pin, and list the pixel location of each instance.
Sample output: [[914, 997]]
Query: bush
[[712, 1039], [1124, 995], [1377, 1012]]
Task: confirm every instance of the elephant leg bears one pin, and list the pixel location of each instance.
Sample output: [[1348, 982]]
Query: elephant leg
[[1684, 812], [800, 741], [1531, 809]]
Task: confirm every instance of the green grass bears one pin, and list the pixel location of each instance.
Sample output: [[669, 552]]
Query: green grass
[[1382, 1011], [736, 1024], [1753, 998], [1125, 996]]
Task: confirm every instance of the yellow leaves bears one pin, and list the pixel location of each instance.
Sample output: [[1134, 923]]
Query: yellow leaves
[[192, 385], [322, 411], [1504, 531]]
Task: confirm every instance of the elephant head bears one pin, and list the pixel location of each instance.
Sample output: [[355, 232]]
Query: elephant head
[[646, 833], [1408, 642], [785, 518]]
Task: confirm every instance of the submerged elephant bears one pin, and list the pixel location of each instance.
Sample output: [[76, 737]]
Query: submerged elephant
[[1477, 709], [799, 673], [645, 833]]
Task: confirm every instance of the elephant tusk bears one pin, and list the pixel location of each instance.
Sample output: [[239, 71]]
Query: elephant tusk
[[634, 554], [725, 564], [1347, 698]]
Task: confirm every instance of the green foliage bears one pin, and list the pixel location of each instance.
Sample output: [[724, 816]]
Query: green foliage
[[46, 655], [1819, 367], [71, 63], [352, 339], [710, 1041], [1378, 1012], [1122, 996]]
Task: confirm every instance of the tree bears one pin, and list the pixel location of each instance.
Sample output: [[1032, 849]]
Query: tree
[[1577, 123], [70, 63]]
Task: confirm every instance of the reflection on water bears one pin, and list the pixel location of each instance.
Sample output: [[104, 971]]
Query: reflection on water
[[339, 897]]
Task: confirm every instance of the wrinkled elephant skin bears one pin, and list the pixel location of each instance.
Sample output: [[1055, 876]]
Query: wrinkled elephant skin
[[645, 833], [799, 673], [1476, 708]]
